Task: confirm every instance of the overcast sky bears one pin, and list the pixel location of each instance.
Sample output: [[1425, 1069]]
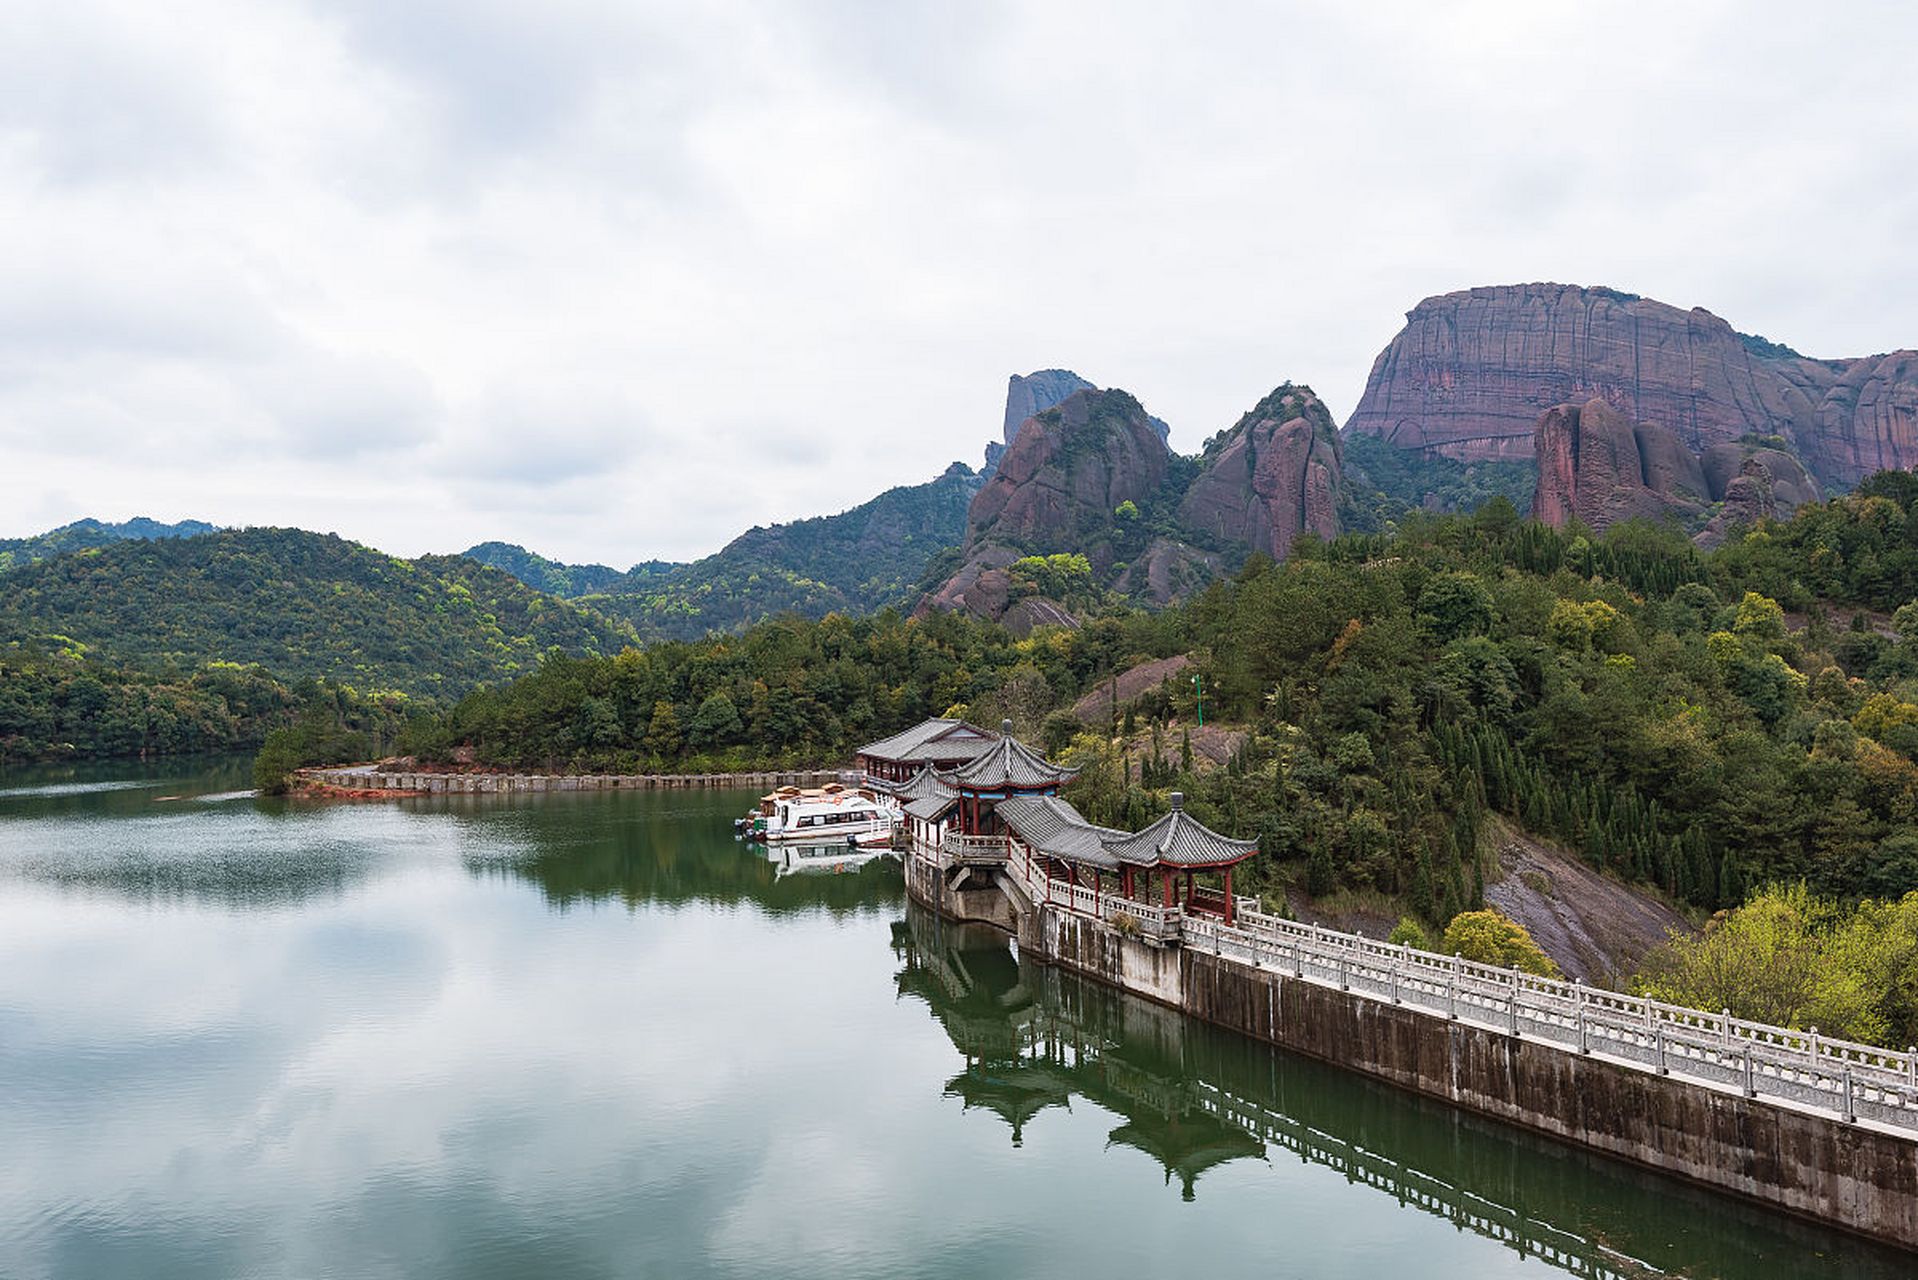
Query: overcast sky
[[617, 280]]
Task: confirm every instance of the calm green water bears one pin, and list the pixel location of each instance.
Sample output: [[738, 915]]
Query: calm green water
[[593, 1036]]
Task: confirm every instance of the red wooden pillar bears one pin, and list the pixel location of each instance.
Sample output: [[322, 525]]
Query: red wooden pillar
[[1229, 905], [1165, 883]]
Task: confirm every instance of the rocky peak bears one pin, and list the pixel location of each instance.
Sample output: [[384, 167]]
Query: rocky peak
[[1028, 395], [1275, 474], [1068, 468], [1472, 371]]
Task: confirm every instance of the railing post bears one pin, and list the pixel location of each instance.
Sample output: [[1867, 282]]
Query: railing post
[[1811, 1048], [1514, 1000], [1911, 1064], [1851, 1112], [1658, 1049], [1725, 1027], [1578, 996], [1298, 958], [1751, 1090], [1345, 961], [1451, 991]]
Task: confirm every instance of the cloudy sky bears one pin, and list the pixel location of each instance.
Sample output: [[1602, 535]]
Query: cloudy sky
[[617, 280]]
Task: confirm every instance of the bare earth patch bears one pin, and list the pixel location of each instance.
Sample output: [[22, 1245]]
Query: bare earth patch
[[1594, 927], [1096, 707]]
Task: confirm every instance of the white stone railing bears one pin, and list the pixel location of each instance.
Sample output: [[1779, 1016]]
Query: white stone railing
[[1851, 1080], [972, 848], [1801, 1068]]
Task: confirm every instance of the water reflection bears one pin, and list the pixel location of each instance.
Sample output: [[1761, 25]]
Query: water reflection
[[1195, 1098]]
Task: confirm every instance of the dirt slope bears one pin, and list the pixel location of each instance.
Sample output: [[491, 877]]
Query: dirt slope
[[1595, 928]]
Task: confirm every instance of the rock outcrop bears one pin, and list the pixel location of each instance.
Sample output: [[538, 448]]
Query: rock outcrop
[[1031, 394], [1471, 372], [1068, 469], [1598, 467], [1274, 475]]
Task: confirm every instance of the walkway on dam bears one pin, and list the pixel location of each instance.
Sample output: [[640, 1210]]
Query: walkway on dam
[[1802, 1070]]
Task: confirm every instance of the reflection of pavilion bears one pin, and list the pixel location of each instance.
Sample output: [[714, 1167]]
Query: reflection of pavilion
[[1194, 1098], [1023, 1055]]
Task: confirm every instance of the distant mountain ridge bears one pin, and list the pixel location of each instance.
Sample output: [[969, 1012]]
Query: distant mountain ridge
[[859, 560], [84, 534], [546, 575]]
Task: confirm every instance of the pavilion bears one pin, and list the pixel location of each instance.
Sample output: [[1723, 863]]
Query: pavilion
[[1176, 847], [940, 743]]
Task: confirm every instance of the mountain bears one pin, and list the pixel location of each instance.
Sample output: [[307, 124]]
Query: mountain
[[856, 561], [82, 535], [546, 575], [1092, 477], [1598, 467], [1471, 373], [299, 604], [1030, 394]]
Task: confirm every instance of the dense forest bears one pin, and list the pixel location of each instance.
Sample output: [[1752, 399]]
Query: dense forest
[[57, 703], [301, 605]]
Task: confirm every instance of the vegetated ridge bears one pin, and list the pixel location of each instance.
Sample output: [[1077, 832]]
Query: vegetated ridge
[[301, 605], [84, 534], [853, 562]]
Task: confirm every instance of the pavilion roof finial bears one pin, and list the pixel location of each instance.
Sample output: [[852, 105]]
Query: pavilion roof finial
[[1178, 799]]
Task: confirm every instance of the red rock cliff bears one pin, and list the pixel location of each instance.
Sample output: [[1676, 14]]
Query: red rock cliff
[[1274, 475], [1471, 372]]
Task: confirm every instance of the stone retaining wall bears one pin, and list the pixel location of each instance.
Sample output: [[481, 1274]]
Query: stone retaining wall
[[1853, 1175]]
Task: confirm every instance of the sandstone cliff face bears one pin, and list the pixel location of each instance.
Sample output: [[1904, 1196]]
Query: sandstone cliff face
[[1597, 467], [1471, 372], [1274, 475], [1067, 469]]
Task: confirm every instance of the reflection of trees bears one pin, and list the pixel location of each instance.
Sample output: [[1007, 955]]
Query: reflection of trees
[[641, 849], [1194, 1097]]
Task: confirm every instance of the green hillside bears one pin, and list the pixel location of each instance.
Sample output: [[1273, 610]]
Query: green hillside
[[550, 576], [84, 534], [856, 561], [299, 604]]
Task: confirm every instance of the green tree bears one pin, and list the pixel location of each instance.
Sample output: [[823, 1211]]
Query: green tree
[[1490, 937], [716, 722]]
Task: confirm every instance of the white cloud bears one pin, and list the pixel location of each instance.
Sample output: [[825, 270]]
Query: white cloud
[[620, 280]]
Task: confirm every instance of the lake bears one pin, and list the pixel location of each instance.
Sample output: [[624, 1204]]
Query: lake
[[592, 1035]]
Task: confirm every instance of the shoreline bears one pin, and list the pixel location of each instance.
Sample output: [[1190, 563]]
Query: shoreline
[[367, 782]]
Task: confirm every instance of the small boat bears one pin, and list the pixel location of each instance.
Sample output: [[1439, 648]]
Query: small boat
[[833, 814], [834, 818]]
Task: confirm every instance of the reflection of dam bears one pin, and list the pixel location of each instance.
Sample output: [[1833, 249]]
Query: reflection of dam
[[1036, 1037]]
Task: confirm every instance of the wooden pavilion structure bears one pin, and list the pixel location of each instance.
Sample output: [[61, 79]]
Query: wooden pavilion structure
[[1177, 849]]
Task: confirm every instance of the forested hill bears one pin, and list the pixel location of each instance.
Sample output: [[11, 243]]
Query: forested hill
[[853, 562], [299, 604], [83, 534], [550, 576]]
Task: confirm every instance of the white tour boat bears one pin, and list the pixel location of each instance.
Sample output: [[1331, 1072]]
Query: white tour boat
[[820, 818]]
